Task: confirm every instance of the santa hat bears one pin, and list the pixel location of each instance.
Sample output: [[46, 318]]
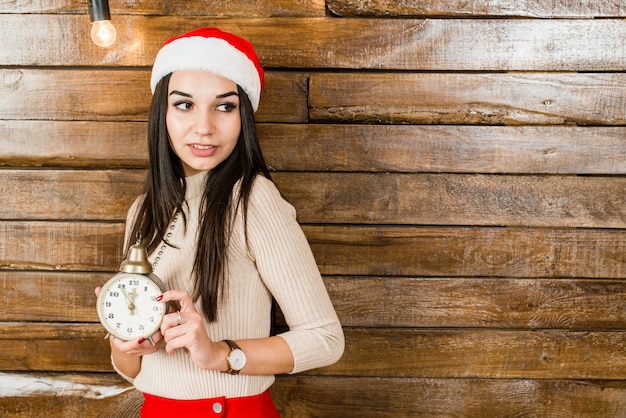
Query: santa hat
[[215, 51]]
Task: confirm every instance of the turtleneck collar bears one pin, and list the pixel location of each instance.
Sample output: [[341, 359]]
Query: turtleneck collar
[[195, 185]]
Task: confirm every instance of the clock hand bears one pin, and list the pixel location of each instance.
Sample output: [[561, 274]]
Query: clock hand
[[125, 295], [132, 296], [130, 300]]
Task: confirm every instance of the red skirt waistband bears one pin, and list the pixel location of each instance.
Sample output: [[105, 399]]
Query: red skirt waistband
[[257, 406]]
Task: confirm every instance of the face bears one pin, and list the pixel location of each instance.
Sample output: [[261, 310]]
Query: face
[[203, 120]]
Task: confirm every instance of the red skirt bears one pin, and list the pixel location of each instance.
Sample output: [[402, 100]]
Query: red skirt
[[258, 406]]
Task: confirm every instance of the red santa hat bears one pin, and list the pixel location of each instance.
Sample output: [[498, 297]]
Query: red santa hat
[[215, 51]]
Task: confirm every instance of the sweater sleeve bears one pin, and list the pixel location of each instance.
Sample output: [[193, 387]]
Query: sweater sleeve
[[287, 267]]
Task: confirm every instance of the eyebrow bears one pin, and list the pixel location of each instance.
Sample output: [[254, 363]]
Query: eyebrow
[[219, 96], [180, 93], [230, 93]]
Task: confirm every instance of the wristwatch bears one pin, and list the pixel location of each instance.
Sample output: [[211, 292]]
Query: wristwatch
[[236, 358]]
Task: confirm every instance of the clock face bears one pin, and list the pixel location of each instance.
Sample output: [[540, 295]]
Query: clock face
[[237, 359], [127, 306]]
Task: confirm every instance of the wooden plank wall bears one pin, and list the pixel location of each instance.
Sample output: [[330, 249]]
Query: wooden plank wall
[[458, 168]]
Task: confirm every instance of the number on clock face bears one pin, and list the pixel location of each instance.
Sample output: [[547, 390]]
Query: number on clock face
[[128, 308]]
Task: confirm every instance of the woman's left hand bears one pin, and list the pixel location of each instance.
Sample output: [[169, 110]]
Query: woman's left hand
[[185, 329]]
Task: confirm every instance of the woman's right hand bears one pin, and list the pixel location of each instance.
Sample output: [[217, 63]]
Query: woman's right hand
[[140, 347]]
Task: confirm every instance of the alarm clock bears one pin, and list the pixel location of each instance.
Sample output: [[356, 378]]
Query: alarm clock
[[127, 304]]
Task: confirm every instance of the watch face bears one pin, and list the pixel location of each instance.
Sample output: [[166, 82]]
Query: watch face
[[237, 359], [127, 306]]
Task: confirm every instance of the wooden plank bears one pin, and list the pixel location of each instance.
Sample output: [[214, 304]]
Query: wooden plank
[[243, 8], [398, 302], [457, 149], [417, 98], [37, 296], [60, 347], [123, 95], [91, 95], [323, 42], [69, 194], [463, 8], [355, 250], [493, 354], [453, 199], [284, 98], [36, 143], [61, 395], [486, 99], [466, 353], [346, 198], [332, 147], [482, 252], [478, 303], [61, 246], [300, 396]]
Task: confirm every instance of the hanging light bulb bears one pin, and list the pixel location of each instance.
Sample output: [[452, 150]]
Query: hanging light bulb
[[103, 33]]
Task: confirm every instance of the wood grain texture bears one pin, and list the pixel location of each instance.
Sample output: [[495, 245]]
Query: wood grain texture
[[55, 143], [483, 354], [502, 303], [469, 398], [346, 198], [574, 304], [126, 405], [444, 148], [380, 352], [468, 251], [462, 8], [61, 246], [486, 99], [492, 99], [328, 43], [54, 347], [221, 8], [355, 250], [299, 396], [453, 199], [339, 147], [69, 194], [37, 296], [116, 96], [62, 395]]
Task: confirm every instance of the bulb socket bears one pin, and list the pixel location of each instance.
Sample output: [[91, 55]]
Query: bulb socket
[[99, 10]]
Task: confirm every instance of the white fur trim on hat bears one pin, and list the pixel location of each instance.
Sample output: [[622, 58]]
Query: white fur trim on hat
[[214, 55]]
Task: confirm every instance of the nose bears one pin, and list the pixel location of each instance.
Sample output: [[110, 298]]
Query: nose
[[204, 124]]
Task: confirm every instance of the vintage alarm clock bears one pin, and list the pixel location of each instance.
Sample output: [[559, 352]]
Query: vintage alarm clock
[[127, 304]]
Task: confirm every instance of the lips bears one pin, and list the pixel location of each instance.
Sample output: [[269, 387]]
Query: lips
[[202, 150]]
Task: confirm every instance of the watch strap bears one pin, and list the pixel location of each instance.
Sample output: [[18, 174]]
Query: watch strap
[[233, 346]]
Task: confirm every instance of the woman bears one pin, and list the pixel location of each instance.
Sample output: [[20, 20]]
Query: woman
[[221, 236]]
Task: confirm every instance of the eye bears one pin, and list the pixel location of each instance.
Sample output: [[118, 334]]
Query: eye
[[227, 107], [183, 105]]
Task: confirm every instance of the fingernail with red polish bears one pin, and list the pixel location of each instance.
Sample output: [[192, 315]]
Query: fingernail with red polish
[[141, 340], [159, 297]]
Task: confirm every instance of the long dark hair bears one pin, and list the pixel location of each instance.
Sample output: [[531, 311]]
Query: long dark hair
[[165, 187]]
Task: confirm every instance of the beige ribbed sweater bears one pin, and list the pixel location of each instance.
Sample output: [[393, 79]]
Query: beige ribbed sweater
[[278, 263]]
